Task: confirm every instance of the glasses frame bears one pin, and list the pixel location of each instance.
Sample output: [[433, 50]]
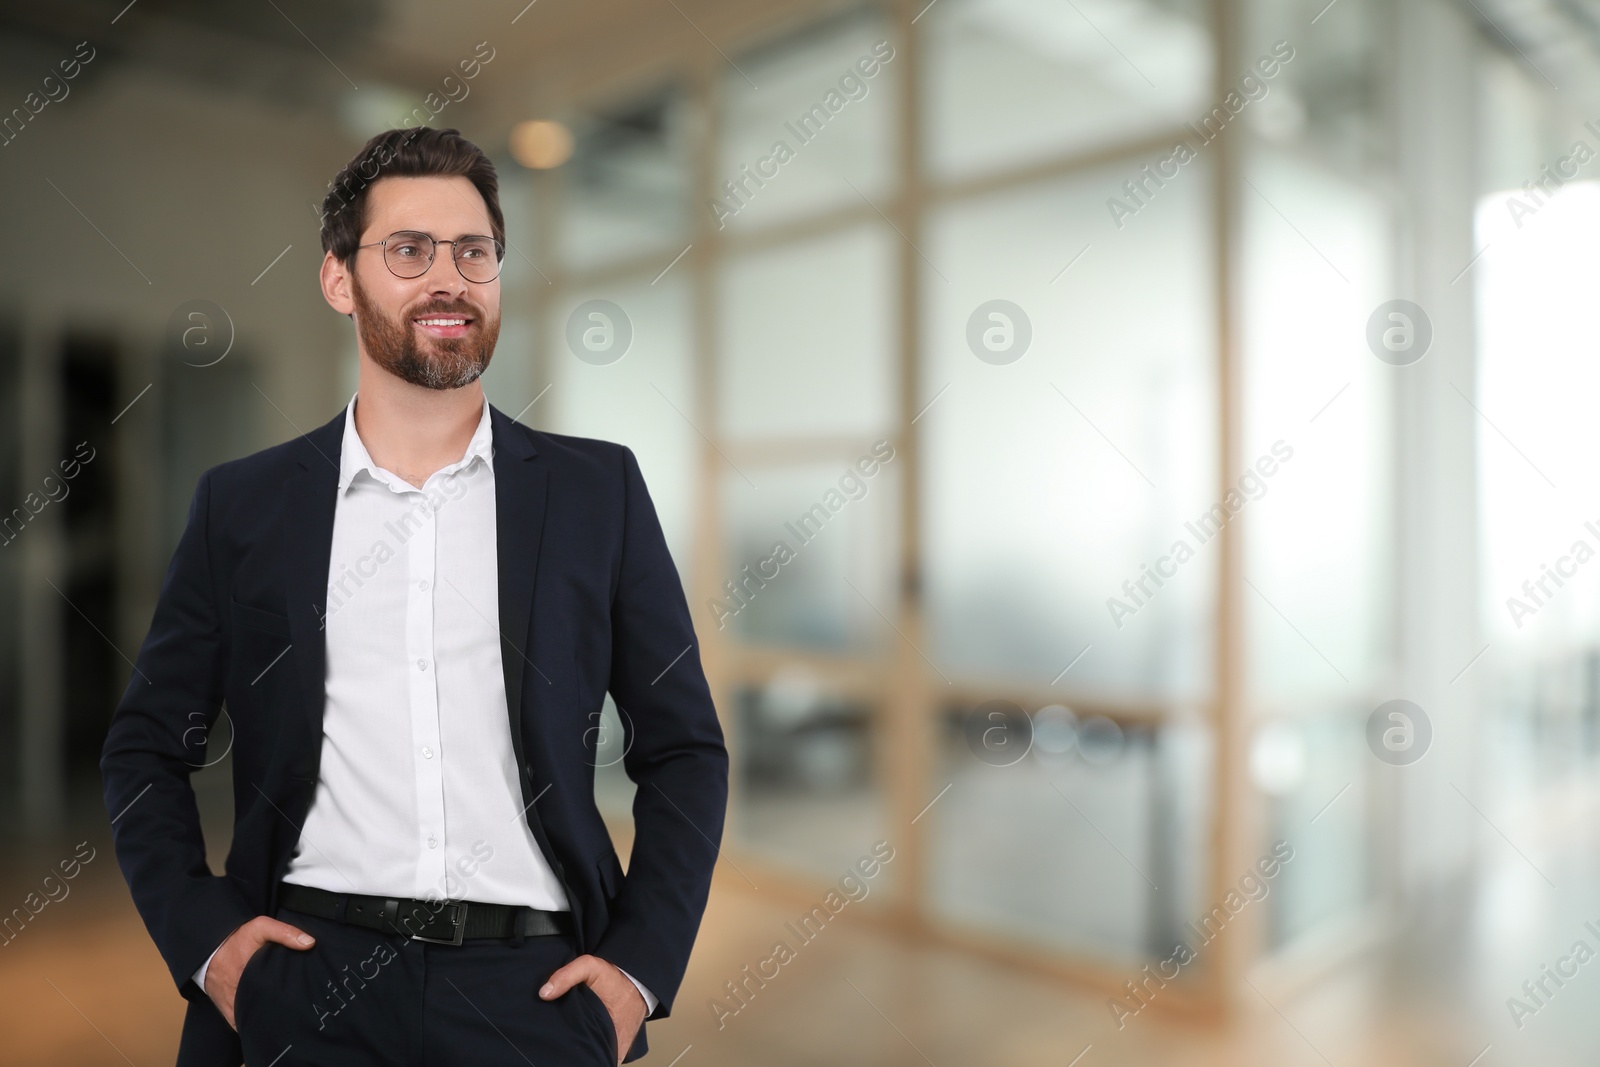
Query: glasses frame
[[433, 249]]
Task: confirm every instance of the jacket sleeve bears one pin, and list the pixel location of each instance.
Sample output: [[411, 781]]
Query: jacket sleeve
[[155, 741], [673, 751]]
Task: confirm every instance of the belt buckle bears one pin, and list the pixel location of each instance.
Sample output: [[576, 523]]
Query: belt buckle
[[458, 921]]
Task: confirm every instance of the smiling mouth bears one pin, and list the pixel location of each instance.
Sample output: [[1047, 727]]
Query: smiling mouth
[[443, 325]]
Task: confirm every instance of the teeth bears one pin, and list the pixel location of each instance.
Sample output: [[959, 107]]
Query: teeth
[[442, 322]]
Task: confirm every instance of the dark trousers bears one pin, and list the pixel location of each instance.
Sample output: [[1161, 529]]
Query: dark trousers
[[360, 997]]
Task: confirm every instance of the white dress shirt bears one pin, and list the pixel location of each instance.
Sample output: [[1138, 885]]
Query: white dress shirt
[[418, 793]]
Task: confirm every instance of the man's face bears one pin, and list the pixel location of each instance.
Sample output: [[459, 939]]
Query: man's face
[[389, 311]]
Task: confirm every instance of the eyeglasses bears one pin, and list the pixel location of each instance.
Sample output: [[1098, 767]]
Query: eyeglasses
[[409, 254]]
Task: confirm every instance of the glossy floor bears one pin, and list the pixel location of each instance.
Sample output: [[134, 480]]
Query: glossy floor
[[82, 984]]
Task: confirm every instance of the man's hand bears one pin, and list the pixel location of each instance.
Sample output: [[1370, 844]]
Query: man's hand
[[620, 996], [222, 976]]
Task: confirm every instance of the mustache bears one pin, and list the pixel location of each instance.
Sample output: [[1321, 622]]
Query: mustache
[[457, 311]]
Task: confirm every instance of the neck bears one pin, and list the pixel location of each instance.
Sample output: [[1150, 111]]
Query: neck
[[411, 430]]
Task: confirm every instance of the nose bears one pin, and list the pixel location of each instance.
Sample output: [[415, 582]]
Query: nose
[[442, 278]]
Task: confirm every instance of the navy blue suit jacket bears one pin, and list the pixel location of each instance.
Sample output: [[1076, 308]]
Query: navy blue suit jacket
[[590, 601]]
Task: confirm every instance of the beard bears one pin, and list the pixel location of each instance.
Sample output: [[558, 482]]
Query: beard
[[397, 346]]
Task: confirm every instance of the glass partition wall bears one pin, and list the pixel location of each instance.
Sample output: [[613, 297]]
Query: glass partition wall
[[1024, 469]]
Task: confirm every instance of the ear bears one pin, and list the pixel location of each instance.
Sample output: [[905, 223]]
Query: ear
[[336, 285]]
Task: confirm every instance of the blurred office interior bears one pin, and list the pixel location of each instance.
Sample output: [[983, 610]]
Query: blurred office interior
[[1341, 349]]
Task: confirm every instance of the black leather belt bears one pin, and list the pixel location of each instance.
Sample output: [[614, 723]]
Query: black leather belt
[[440, 922]]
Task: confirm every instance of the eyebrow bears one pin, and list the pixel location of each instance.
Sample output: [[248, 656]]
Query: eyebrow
[[429, 234]]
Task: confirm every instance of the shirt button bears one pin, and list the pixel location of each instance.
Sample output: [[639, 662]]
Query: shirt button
[[433, 842], [427, 753], [423, 585], [422, 664]]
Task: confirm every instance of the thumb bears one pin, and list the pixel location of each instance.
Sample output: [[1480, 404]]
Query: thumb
[[564, 978], [284, 934]]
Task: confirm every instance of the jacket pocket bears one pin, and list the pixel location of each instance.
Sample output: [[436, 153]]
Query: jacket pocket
[[260, 619]]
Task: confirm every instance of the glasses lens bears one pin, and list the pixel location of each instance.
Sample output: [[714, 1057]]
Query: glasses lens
[[408, 253], [478, 258]]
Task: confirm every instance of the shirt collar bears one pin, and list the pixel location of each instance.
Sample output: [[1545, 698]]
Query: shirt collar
[[354, 457]]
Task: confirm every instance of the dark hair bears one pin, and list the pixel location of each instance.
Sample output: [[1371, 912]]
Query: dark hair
[[419, 152]]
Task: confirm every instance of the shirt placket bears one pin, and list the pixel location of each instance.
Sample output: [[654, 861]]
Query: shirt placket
[[427, 760]]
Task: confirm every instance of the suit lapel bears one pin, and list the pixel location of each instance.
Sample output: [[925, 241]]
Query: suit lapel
[[520, 486], [308, 544]]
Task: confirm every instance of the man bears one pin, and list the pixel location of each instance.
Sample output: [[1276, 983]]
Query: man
[[413, 615]]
